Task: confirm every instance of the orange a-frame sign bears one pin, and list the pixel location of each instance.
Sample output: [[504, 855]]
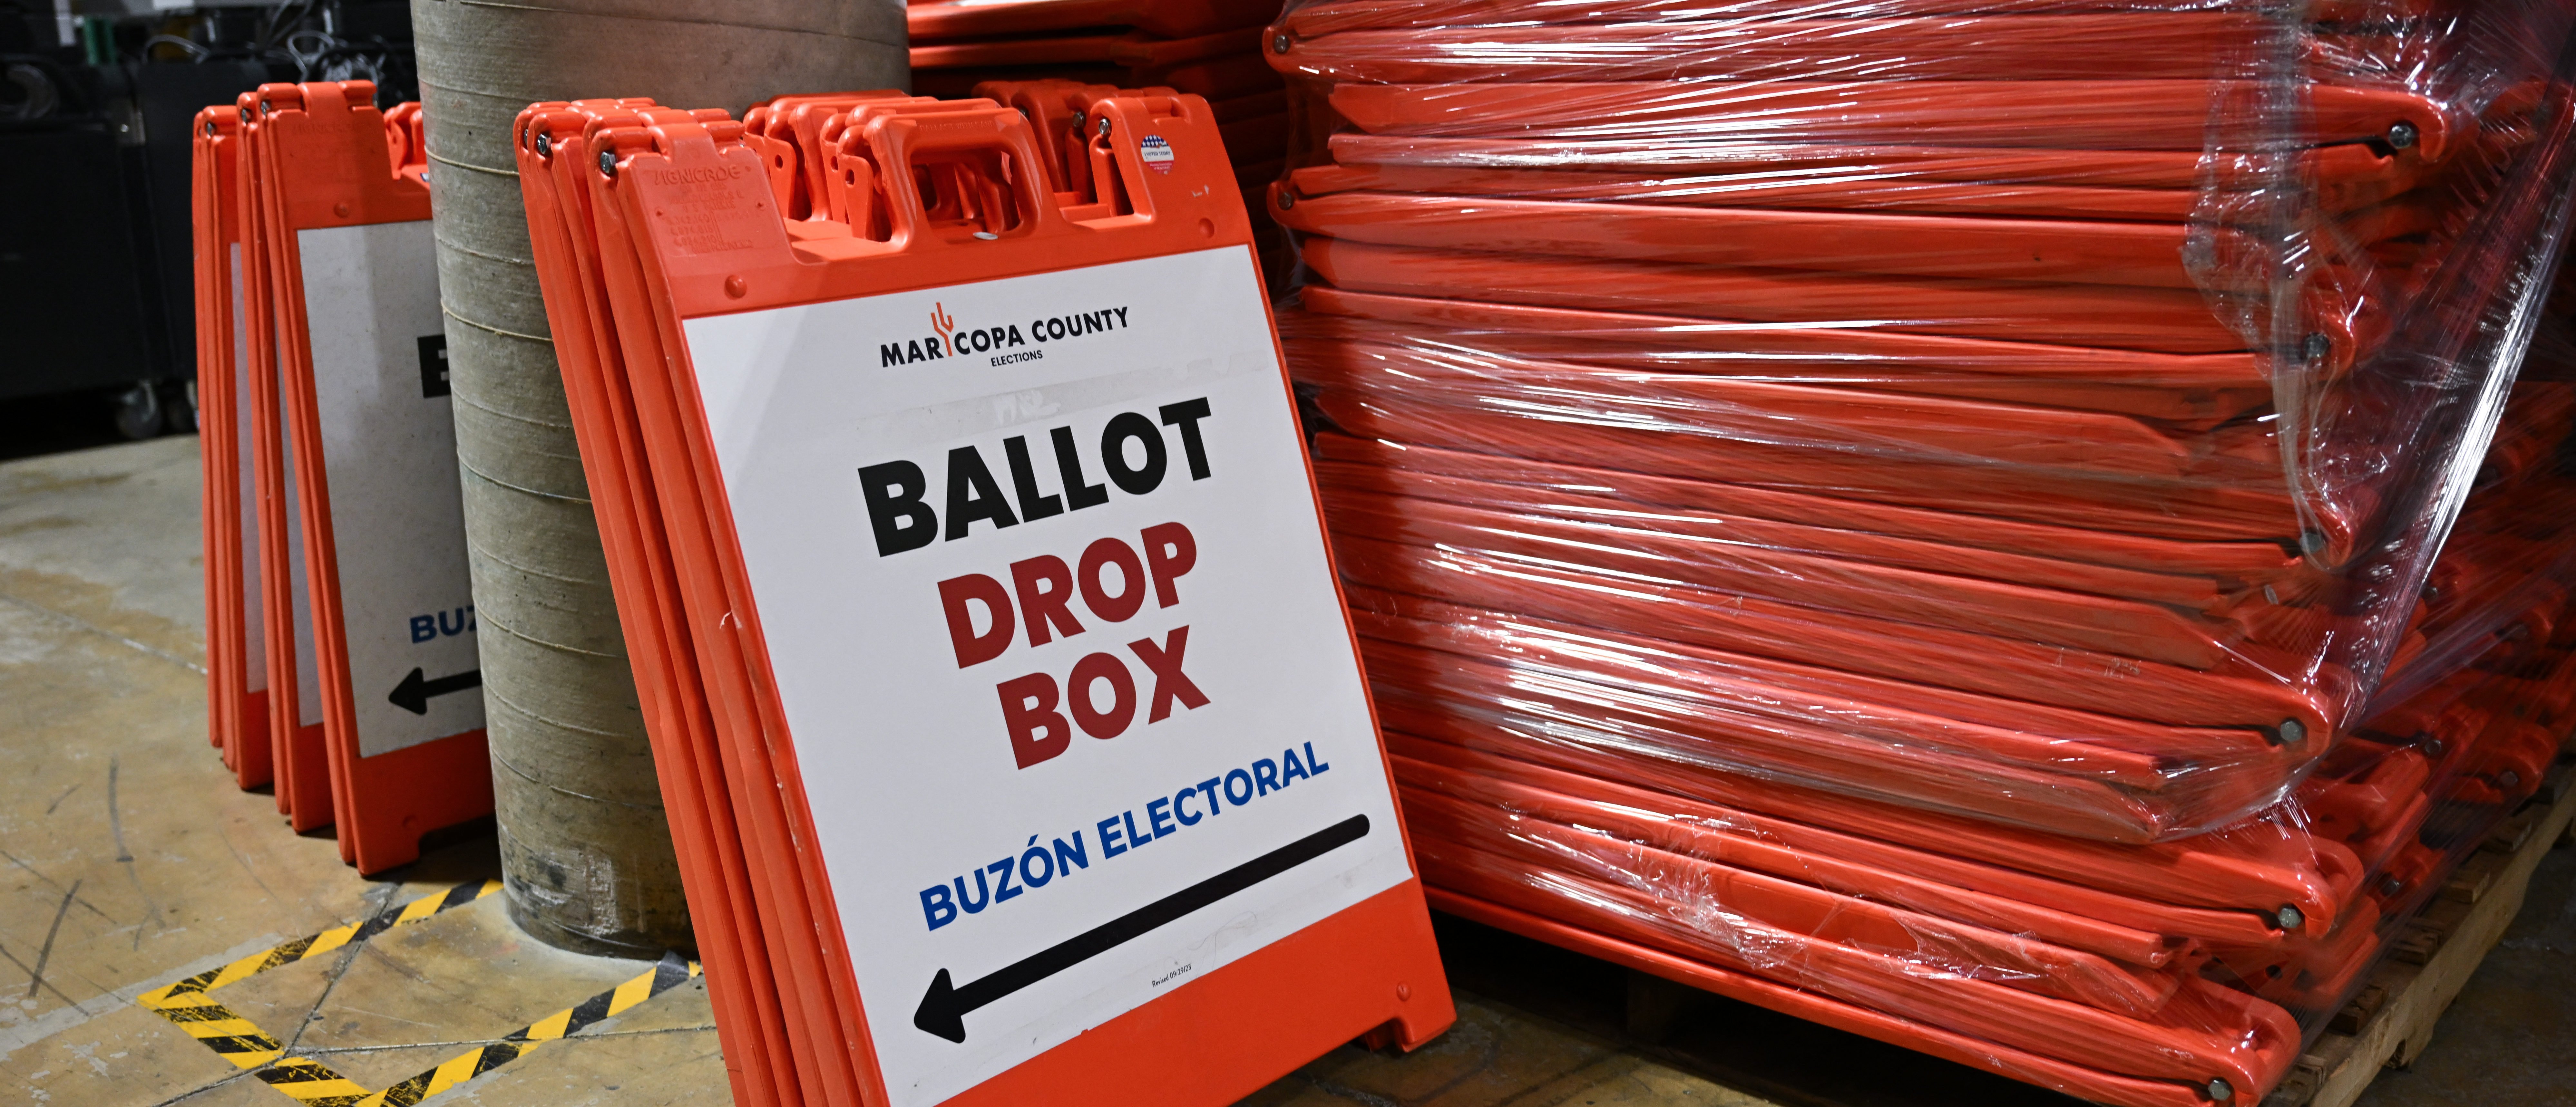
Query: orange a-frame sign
[[359, 432], [1001, 517]]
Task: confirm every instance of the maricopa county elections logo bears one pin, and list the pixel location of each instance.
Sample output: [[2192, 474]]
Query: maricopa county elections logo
[[946, 340]]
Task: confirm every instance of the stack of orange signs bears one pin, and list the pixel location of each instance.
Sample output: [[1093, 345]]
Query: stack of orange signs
[[1897, 514], [334, 533], [2062, 442], [2179, 973], [873, 452], [2098, 971]]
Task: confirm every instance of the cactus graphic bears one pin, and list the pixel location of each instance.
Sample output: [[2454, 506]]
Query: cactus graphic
[[946, 326]]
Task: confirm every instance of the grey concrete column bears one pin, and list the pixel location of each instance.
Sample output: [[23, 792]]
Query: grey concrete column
[[584, 847]]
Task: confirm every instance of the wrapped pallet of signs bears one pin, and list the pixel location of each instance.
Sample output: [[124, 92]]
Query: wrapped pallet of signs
[[340, 623], [1000, 689], [1915, 515]]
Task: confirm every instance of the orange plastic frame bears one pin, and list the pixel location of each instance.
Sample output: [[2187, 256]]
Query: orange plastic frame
[[332, 154], [1371, 965]]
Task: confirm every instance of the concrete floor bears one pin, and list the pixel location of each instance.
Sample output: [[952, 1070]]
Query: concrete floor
[[128, 862]]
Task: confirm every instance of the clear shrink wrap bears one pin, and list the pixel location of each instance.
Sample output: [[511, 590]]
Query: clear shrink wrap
[[2127, 499], [2183, 971], [2009, 526]]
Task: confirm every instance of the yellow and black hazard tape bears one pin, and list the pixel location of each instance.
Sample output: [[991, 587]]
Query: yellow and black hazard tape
[[313, 1082], [234, 1038], [670, 973]]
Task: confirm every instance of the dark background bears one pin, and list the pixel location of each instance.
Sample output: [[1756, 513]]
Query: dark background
[[97, 328]]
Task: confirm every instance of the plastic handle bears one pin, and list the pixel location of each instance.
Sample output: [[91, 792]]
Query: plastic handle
[[899, 140]]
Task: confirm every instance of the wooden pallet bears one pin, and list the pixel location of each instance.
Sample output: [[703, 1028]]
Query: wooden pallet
[[2391, 1021]]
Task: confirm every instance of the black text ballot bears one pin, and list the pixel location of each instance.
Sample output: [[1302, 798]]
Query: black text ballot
[[1040, 578]]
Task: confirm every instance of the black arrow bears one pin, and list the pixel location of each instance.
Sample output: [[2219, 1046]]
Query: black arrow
[[413, 693], [943, 1009]]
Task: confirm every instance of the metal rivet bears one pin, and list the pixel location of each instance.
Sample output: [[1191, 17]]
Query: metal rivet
[[2221, 1090], [2390, 886], [2293, 732], [2315, 347], [2402, 135], [608, 163], [210, 128], [1287, 200], [545, 145], [2289, 917], [1279, 43], [1104, 126], [2433, 747], [245, 115], [2312, 541], [265, 108], [2509, 778]]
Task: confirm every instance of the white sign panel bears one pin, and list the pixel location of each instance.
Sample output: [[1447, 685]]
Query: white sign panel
[[389, 448], [308, 682], [254, 644], [1075, 702]]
